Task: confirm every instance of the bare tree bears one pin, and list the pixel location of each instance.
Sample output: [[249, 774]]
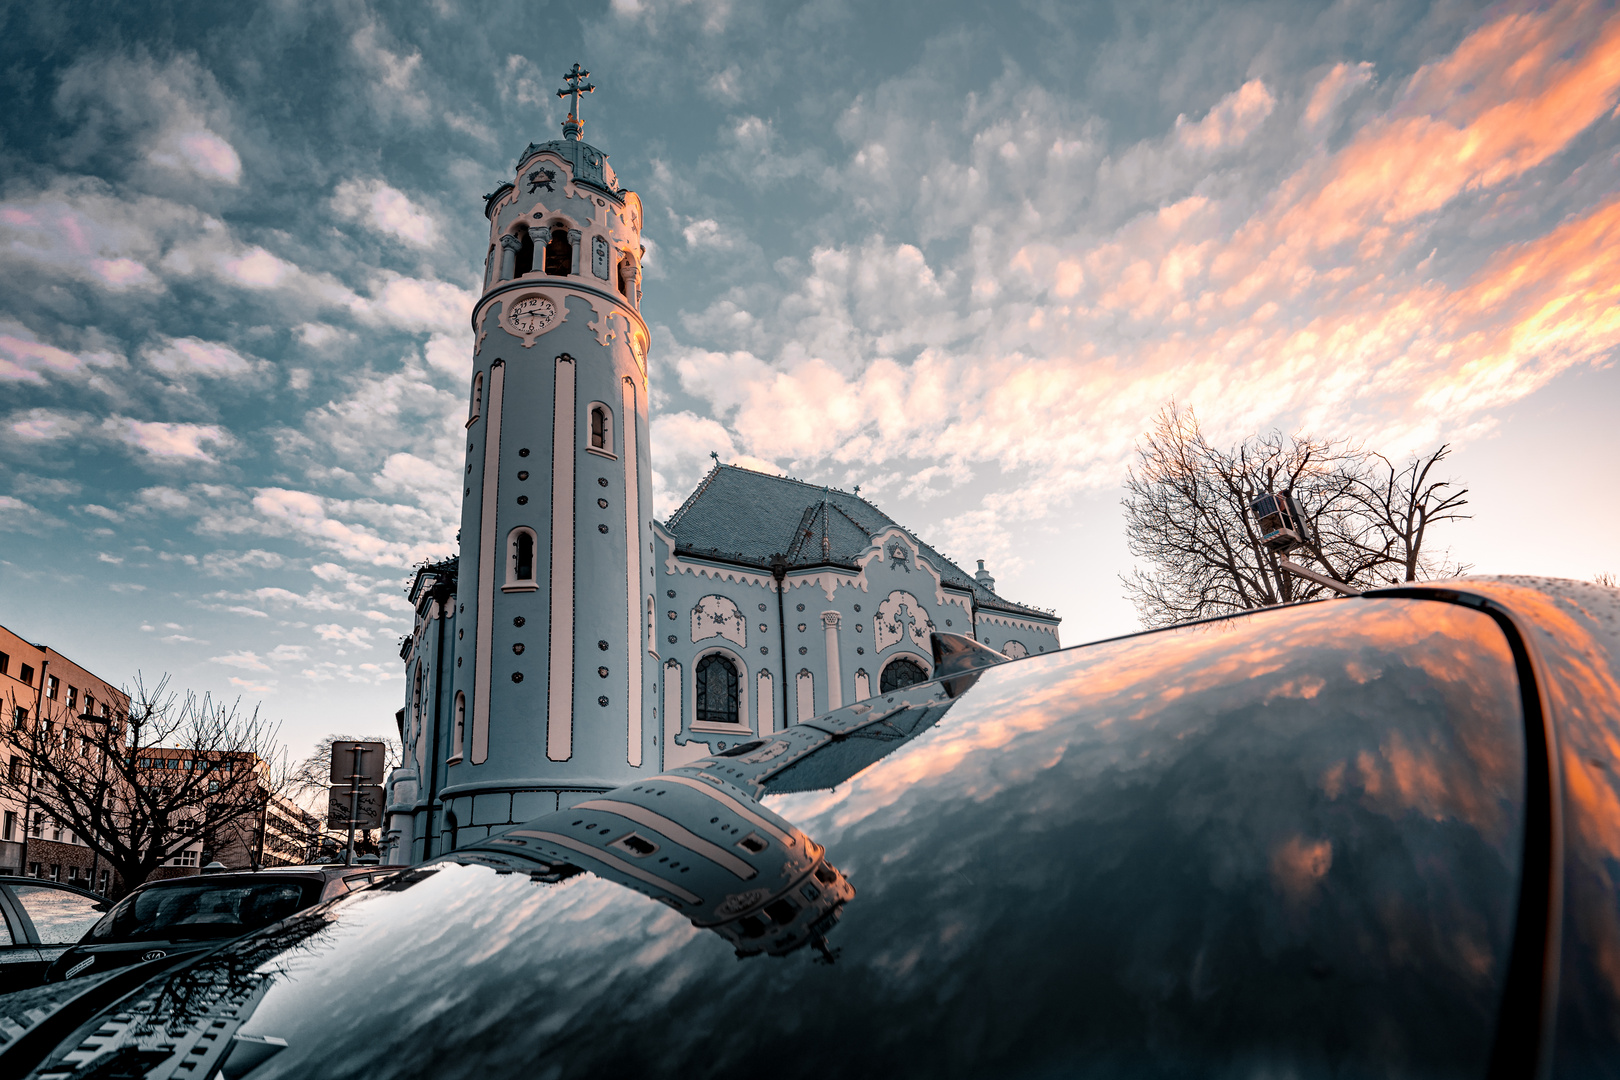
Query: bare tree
[[138, 789], [1607, 578], [1391, 510], [1367, 521]]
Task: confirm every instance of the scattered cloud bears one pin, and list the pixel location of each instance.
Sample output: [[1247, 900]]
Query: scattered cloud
[[193, 356], [164, 442], [387, 209]]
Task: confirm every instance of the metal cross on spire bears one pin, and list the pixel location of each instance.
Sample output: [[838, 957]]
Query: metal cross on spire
[[576, 86]]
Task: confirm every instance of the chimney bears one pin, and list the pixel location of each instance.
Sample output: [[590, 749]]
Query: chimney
[[983, 577]]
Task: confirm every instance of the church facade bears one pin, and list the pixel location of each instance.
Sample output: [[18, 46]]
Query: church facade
[[575, 644]]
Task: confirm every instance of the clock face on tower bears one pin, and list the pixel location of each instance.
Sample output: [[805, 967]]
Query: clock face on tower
[[531, 315]]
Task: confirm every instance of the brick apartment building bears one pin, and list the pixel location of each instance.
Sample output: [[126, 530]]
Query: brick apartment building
[[39, 684], [35, 681]]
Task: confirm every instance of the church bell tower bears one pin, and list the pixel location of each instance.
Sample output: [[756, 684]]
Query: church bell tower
[[554, 675]]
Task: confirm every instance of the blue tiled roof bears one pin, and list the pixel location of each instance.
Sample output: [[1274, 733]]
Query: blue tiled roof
[[741, 516]]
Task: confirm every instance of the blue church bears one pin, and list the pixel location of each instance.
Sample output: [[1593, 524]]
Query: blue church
[[575, 644]]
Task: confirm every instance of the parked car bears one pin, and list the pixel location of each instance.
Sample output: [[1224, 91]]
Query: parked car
[[1376, 836], [195, 913], [39, 920]]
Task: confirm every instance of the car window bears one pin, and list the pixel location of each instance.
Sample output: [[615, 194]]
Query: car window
[[203, 910], [60, 916]]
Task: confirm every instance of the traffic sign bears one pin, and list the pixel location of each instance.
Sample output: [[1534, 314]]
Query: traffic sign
[[372, 757], [368, 808]]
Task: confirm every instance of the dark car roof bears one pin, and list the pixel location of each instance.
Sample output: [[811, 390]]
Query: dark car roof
[[1308, 841]]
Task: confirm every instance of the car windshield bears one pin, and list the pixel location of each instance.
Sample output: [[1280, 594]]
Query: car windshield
[[203, 909]]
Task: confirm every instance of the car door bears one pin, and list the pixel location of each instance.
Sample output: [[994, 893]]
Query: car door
[[20, 962], [58, 916]]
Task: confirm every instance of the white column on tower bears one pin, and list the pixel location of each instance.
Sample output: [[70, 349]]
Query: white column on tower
[[560, 686], [632, 540], [490, 556]]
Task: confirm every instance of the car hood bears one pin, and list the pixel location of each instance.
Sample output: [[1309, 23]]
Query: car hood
[[1288, 842]]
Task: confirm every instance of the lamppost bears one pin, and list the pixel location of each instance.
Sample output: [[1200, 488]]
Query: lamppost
[[1282, 529]]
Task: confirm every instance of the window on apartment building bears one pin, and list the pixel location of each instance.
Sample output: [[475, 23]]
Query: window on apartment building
[[56, 871], [39, 824], [14, 771], [102, 888], [56, 829], [19, 716], [35, 870], [185, 858], [9, 830], [5, 663], [73, 875], [53, 686], [90, 702], [26, 674], [73, 697]]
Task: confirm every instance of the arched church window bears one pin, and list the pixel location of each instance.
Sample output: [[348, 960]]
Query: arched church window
[[900, 673], [524, 262], [520, 559], [599, 427], [476, 408], [559, 253], [460, 728], [716, 690]]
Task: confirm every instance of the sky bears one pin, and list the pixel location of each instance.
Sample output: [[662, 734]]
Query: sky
[[958, 254]]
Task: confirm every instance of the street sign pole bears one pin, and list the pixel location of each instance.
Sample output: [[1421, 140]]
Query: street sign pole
[[355, 788], [354, 802]]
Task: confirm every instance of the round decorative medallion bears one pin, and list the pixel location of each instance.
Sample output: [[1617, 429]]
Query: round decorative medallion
[[531, 315]]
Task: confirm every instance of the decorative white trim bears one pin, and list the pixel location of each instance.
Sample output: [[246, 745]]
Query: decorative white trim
[[828, 581], [652, 626], [560, 682], [675, 565], [489, 544], [805, 695], [603, 326], [632, 544], [887, 613], [475, 409], [765, 699], [988, 617], [835, 682], [720, 619], [458, 729]]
